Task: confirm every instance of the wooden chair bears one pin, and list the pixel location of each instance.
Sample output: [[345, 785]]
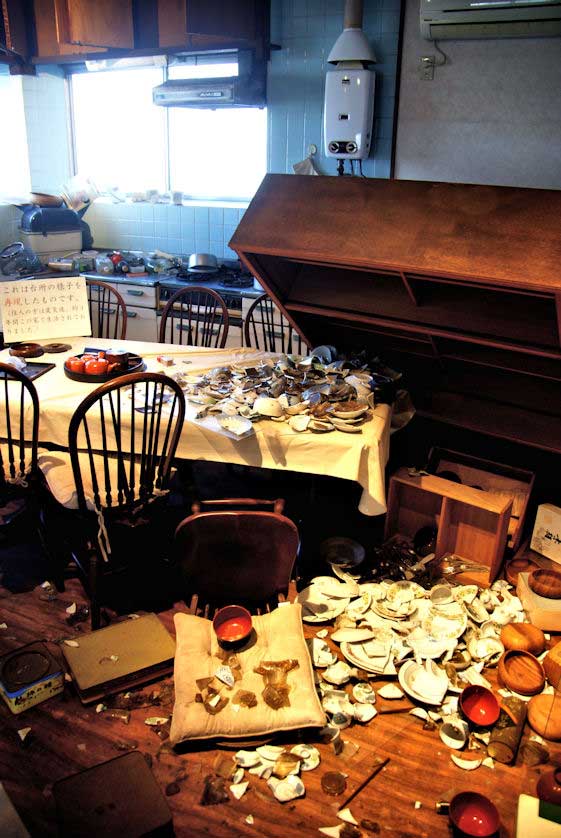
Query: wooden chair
[[19, 433], [122, 440], [265, 327], [230, 555], [108, 310], [195, 316]]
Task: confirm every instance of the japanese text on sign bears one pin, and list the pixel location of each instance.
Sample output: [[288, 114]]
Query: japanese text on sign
[[44, 308]]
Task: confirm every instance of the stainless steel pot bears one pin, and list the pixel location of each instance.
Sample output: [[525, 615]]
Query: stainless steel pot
[[202, 263]]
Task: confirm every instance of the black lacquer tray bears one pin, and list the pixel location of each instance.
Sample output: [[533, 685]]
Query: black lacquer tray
[[136, 364]]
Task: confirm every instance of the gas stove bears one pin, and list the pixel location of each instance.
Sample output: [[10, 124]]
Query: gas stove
[[224, 277]]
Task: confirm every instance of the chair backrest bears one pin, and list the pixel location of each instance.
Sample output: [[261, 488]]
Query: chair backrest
[[230, 555], [265, 327], [108, 310], [195, 316], [122, 439], [19, 425]]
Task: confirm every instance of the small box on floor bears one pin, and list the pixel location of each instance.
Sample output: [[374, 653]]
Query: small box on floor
[[29, 675], [543, 612], [546, 537]]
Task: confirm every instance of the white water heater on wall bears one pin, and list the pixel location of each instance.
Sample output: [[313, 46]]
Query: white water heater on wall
[[349, 91]]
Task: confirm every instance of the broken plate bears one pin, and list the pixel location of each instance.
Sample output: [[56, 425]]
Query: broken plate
[[425, 684]]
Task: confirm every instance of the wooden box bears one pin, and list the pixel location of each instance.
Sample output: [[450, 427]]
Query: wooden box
[[471, 523], [496, 479], [546, 537]]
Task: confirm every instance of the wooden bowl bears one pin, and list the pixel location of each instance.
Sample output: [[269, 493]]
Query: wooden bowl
[[516, 566], [524, 637], [521, 672], [474, 814], [232, 624], [546, 583], [544, 716], [479, 705]]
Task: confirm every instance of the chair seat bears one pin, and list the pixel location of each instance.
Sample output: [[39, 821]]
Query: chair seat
[[57, 470]]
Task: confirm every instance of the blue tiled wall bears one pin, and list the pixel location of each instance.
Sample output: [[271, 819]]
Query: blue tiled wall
[[46, 119], [306, 30]]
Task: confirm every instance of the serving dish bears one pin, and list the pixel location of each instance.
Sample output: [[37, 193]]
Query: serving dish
[[479, 705], [318, 607], [232, 624], [474, 815], [546, 583], [134, 364]]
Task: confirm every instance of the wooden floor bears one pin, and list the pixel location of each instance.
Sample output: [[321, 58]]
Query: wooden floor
[[66, 737]]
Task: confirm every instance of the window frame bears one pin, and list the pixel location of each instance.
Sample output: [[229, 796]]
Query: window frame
[[172, 61]]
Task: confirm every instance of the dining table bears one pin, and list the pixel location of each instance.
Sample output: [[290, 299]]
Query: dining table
[[359, 457]]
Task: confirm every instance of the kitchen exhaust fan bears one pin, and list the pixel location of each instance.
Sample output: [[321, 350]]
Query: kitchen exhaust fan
[[235, 91]]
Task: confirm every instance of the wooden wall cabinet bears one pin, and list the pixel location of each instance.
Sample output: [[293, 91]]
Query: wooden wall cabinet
[[66, 28], [458, 286]]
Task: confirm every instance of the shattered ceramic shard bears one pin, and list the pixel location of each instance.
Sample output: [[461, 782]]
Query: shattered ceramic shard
[[299, 422], [360, 606], [246, 758], [288, 789], [342, 720], [237, 776], [71, 608], [347, 816], [267, 406], [225, 767], [364, 712], [390, 691], [23, 733], [250, 820], [263, 769], [245, 698], [322, 633], [420, 713], [488, 762], [338, 674], [364, 694], [352, 635], [270, 752], [73, 643], [484, 648], [225, 674], [454, 733], [239, 789], [310, 756], [337, 701], [477, 611], [466, 764], [322, 655], [331, 831], [154, 721]]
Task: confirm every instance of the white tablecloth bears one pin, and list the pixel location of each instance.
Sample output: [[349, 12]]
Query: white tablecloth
[[358, 457]]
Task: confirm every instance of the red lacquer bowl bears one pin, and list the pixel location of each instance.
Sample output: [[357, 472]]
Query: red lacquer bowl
[[474, 815], [232, 624], [479, 705]]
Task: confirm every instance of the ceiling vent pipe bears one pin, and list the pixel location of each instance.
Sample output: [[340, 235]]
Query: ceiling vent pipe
[[352, 44]]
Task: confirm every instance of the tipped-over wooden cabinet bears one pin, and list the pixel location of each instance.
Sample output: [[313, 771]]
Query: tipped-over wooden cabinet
[[458, 286]]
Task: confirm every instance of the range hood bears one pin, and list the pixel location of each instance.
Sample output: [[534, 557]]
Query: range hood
[[234, 91]]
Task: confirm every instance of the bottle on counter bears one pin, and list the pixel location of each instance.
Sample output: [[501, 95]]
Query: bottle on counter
[[104, 265]]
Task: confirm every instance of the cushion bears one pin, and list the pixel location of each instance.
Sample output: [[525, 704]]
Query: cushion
[[279, 635], [57, 469]]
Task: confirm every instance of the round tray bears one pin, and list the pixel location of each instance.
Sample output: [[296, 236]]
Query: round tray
[[136, 364]]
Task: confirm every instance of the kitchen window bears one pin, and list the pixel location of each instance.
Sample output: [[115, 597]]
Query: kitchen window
[[122, 140]]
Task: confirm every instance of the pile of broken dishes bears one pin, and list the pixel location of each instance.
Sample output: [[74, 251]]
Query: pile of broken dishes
[[436, 641], [305, 393]]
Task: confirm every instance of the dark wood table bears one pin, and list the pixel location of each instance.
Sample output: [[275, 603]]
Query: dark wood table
[[66, 737]]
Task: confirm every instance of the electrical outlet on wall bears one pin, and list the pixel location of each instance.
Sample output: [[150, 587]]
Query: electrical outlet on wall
[[426, 67]]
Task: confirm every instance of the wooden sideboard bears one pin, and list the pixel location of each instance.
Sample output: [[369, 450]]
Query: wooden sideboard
[[458, 286]]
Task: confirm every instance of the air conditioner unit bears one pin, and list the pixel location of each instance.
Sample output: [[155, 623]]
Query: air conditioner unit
[[234, 91], [453, 19]]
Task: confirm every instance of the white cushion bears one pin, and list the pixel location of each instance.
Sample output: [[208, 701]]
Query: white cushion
[[279, 636], [57, 469]]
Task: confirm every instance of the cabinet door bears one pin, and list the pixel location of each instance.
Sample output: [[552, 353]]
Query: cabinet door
[[204, 23], [142, 324], [48, 44], [98, 23]]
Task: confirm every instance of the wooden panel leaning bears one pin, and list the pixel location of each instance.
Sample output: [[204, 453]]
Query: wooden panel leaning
[[471, 523]]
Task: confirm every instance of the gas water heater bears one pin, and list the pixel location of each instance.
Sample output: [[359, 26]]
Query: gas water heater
[[349, 91]]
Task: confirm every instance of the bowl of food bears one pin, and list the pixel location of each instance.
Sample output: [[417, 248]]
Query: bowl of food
[[479, 705], [474, 815], [232, 624]]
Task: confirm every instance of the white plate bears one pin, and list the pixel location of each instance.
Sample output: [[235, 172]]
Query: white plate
[[211, 423], [318, 608], [444, 626], [353, 654], [405, 677], [382, 610]]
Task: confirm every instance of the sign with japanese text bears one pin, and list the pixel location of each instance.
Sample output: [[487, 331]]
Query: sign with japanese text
[[44, 308]]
